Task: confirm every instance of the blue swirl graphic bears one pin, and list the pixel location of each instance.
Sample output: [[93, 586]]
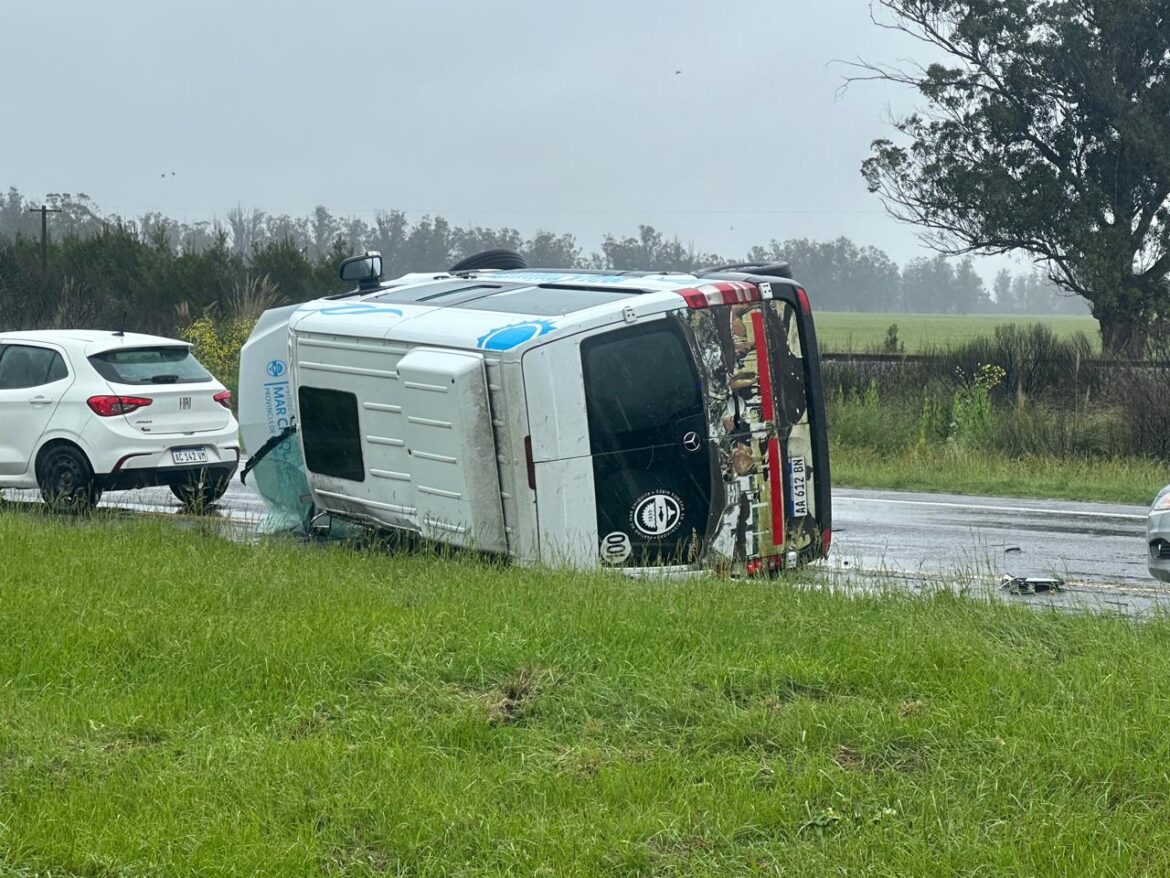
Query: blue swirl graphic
[[504, 338], [358, 308]]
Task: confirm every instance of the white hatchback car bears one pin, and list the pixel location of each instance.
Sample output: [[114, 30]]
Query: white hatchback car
[[83, 412]]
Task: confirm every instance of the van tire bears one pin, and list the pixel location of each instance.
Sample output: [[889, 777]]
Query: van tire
[[66, 479], [499, 259], [199, 491]]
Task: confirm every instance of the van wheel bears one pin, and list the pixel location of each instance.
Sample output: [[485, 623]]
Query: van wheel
[[199, 491], [66, 480], [500, 259]]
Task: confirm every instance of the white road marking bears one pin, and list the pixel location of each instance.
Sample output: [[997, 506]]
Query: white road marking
[[980, 506]]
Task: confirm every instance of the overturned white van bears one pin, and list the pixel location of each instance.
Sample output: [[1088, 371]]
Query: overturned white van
[[567, 417]]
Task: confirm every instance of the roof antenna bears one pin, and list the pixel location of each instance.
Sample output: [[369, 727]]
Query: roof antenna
[[122, 332]]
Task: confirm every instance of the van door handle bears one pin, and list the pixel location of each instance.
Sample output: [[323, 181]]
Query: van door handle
[[40, 400]]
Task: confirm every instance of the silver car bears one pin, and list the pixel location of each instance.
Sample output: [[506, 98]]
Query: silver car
[[1158, 535]]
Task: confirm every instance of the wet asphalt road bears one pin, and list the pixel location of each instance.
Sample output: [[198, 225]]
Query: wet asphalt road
[[1098, 549], [920, 541], [908, 532]]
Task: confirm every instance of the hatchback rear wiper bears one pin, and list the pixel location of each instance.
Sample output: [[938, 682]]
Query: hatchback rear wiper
[[164, 379]]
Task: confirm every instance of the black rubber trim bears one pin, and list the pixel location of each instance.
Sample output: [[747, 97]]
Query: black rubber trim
[[264, 449]]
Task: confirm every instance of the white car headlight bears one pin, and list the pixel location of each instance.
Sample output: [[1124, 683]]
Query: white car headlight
[[1162, 501]]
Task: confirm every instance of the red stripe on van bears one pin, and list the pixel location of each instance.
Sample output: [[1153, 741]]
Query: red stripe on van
[[776, 491], [763, 367], [724, 292], [802, 299]]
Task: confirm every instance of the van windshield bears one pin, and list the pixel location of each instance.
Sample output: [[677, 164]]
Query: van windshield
[[154, 365]]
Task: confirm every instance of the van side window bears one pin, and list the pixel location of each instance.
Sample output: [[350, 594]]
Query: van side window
[[639, 387], [330, 433], [25, 366], [788, 367]]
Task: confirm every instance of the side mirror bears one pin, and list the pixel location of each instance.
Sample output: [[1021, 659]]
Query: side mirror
[[366, 270]]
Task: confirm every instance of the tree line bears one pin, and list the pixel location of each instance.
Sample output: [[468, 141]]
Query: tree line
[[152, 273]]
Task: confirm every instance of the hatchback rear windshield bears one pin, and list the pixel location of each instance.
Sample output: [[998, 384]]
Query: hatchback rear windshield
[[161, 365]]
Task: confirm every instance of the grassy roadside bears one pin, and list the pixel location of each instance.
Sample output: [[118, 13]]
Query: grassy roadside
[[175, 704], [962, 471]]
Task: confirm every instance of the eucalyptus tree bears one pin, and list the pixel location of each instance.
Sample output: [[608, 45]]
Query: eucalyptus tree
[[1045, 129]]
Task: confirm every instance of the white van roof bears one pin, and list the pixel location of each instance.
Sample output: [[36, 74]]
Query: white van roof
[[510, 310]]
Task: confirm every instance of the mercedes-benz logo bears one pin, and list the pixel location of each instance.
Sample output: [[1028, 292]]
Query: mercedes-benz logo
[[691, 441]]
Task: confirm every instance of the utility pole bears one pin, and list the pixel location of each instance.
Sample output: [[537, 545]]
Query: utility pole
[[44, 212]]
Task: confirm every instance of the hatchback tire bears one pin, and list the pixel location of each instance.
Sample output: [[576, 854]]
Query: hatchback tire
[[199, 491], [66, 480]]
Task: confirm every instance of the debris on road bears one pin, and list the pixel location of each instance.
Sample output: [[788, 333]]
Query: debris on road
[[1030, 584]]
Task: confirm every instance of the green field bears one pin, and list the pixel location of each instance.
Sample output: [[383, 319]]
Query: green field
[[855, 332], [173, 704]]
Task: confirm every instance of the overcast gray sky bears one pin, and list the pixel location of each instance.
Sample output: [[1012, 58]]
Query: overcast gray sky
[[566, 116]]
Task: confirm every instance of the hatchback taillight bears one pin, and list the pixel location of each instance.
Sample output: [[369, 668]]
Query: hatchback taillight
[[224, 398], [108, 406]]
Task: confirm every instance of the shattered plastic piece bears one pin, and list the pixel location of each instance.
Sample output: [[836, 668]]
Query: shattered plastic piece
[[1030, 584], [279, 470]]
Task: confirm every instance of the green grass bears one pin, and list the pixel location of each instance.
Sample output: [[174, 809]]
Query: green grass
[[843, 332], [956, 471], [175, 704]]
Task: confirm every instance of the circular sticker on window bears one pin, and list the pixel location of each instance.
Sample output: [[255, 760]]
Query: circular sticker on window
[[657, 514], [615, 548]]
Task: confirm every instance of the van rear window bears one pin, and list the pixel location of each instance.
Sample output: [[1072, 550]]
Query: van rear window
[[155, 365], [330, 433], [640, 386]]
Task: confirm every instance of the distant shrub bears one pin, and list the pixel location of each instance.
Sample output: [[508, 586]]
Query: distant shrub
[[894, 380], [1037, 363], [218, 337], [971, 417], [1022, 391], [217, 344], [891, 344], [1142, 392], [1044, 430], [864, 420]]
